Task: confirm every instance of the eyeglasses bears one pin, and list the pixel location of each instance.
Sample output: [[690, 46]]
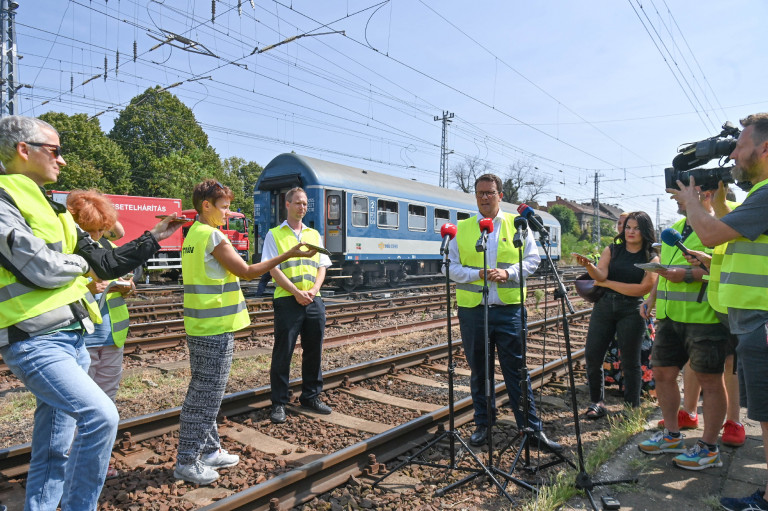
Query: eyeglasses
[[481, 195], [55, 149]]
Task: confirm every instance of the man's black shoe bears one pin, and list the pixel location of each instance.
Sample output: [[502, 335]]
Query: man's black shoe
[[278, 414], [540, 440], [480, 436], [316, 405]]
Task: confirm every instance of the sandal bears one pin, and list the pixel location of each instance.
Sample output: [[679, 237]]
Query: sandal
[[595, 411]]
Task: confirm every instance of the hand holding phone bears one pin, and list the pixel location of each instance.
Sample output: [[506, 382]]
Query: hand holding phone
[[177, 219], [319, 249]]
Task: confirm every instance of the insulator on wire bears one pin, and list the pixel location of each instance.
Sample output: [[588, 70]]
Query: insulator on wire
[[71, 83], [117, 60], [105, 68], [213, 11], [239, 7], [135, 50]]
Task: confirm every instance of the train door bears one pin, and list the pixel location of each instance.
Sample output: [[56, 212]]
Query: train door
[[334, 221]]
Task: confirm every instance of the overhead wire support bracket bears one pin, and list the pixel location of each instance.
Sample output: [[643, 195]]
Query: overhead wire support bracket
[[291, 39], [183, 44]]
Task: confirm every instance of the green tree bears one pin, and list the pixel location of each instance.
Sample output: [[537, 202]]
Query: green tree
[[155, 126], [567, 218], [176, 174], [241, 177], [93, 160]]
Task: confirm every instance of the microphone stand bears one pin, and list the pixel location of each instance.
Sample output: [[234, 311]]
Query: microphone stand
[[583, 480], [489, 469], [451, 433], [526, 433]]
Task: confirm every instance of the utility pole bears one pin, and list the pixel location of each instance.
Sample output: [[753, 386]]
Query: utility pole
[[658, 219], [596, 213], [446, 118], [9, 62]]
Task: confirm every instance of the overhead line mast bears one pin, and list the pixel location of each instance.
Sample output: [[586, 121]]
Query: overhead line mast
[[446, 119], [9, 62]]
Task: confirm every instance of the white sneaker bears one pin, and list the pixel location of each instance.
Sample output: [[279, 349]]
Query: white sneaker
[[220, 459], [197, 473]]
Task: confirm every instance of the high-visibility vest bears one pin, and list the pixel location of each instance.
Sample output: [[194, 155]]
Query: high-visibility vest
[[211, 306], [744, 271], [301, 271], [118, 315], [471, 294], [59, 231], [713, 291], [677, 300]]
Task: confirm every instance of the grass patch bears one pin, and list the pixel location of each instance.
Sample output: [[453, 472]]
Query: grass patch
[[139, 386], [17, 406], [562, 488], [245, 368]]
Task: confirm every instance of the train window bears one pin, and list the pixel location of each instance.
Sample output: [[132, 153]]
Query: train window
[[442, 216], [360, 211], [333, 213], [462, 216], [417, 217], [388, 214]]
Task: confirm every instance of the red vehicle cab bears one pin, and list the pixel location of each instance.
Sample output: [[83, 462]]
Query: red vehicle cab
[[236, 229]]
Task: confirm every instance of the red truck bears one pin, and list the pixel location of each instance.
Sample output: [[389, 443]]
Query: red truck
[[138, 214], [236, 229]]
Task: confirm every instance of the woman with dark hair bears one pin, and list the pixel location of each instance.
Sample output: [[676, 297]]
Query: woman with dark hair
[[617, 313], [214, 309]]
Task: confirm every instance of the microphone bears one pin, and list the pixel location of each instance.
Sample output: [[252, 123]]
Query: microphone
[[486, 227], [673, 238], [521, 231], [448, 232], [534, 222]]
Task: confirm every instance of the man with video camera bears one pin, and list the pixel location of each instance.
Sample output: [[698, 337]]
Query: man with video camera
[[743, 281]]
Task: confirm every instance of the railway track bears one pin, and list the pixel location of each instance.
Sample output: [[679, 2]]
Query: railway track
[[301, 470]]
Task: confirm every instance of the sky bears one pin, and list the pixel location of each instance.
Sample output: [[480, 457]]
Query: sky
[[572, 88]]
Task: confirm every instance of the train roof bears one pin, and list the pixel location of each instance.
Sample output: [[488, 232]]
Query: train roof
[[291, 169]]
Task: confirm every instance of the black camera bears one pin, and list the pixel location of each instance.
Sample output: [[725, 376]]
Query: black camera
[[707, 179], [698, 153]]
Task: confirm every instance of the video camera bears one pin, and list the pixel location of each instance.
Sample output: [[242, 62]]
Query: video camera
[[698, 153]]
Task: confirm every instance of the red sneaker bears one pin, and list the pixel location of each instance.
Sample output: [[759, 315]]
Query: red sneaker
[[733, 434], [684, 421]]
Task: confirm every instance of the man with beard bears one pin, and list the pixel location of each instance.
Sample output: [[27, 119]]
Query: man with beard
[[743, 282]]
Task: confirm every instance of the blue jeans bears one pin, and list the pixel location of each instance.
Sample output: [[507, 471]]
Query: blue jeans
[[54, 367], [504, 325]]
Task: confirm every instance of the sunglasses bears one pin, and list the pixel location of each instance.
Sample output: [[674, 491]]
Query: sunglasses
[[55, 149]]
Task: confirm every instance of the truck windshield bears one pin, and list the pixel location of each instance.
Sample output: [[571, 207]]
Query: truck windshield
[[237, 224]]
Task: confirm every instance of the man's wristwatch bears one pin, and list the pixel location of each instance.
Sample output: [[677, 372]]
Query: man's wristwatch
[[688, 279]]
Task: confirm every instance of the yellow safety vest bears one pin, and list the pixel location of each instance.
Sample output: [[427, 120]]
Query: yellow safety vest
[[59, 231], [118, 315], [211, 306], [471, 294], [302, 272], [677, 300], [744, 271], [713, 291]]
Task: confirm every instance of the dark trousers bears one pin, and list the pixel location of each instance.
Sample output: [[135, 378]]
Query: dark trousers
[[504, 324], [615, 315], [292, 319]]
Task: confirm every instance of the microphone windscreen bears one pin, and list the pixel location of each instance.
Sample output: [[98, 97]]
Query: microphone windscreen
[[521, 222], [486, 225], [521, 208], [448, 230], [670, 236]]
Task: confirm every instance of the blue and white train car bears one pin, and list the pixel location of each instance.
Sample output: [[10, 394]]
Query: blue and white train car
[[379, 228]]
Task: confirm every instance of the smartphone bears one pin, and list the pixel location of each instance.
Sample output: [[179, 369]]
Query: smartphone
[[121, 283], [178, 218], [319, 249], [577, 254]]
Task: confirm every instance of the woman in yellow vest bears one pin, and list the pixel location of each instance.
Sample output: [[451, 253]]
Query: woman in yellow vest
[[95, 214], [214, 309]]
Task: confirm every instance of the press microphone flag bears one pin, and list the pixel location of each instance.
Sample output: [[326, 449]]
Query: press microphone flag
[[448, 232], [529, 214]]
